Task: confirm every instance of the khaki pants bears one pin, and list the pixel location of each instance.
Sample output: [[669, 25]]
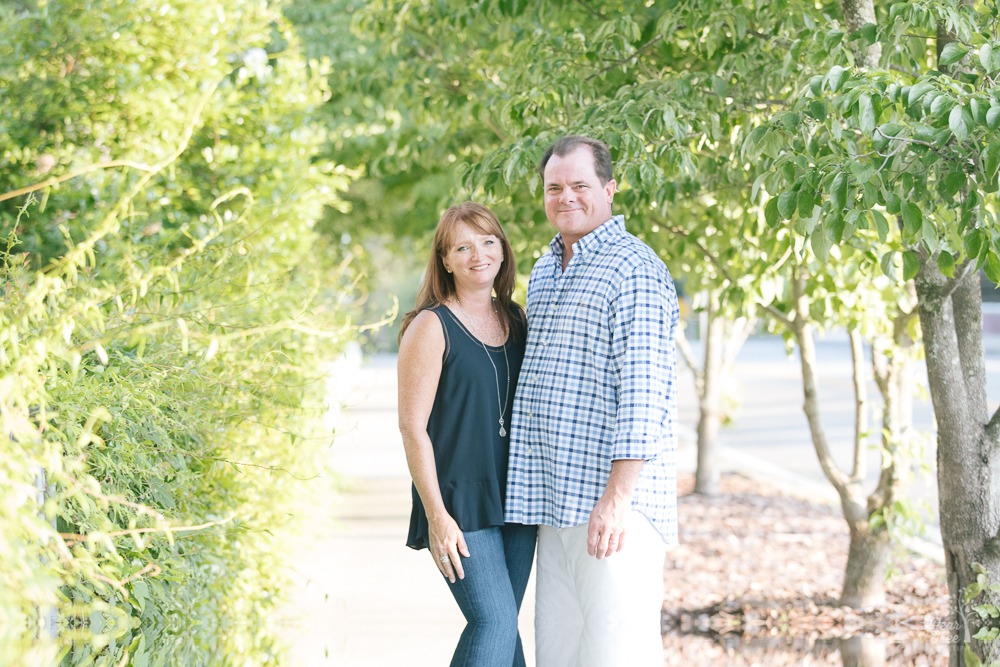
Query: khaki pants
[[599, 613]]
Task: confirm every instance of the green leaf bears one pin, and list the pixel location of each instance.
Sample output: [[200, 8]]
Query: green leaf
[[917, 91], [942, 104], [893, 204], [820, 243], [973, 244], [993, 117], [838, 191], [866, 111], [992, 267], [836, 77], [952, 53], [985, 56], [756, 186], [816, 85], [868, 32], [954, 182], [946, 263], [890, 130], [888, 265], [912, 217], [991, 161], [959, 120], [805, 202], [786, 204], [862, 171], [911, 264], [835, 228], [771, 212], [817, 109], [977, 111], [881, 224]]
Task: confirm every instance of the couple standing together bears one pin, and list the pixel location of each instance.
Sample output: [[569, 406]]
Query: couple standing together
[[581, 458]]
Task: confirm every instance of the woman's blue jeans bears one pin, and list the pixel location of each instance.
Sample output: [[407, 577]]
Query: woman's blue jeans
[[496, 575]]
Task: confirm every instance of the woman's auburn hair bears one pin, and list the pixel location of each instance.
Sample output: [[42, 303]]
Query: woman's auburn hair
[[438, 286]]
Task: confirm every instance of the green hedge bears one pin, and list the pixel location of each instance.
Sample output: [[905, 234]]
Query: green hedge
[[167, 311]]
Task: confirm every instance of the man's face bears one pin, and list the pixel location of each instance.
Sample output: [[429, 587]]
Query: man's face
[[576, 202]]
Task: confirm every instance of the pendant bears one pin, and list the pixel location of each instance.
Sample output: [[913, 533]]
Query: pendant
[[503, 431]]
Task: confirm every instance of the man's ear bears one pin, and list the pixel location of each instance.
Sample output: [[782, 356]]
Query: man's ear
[[610, 188]]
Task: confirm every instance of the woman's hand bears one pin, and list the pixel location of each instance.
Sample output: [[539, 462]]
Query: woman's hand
[[446, 543]]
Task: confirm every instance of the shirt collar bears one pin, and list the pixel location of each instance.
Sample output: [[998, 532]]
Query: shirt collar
[[615, 226]]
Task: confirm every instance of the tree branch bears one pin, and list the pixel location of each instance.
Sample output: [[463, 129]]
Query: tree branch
[[622, 61], [858, 470], [780, 41], [687, 354], [774, 312], [807, 356], [72, 538], [56, 180]]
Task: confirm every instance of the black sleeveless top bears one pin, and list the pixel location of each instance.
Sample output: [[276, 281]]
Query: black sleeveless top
[[469, 453]]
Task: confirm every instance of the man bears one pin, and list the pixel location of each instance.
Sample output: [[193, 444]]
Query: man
[[592, 453]]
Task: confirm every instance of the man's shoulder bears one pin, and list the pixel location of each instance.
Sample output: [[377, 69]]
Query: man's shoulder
[[630, 252]]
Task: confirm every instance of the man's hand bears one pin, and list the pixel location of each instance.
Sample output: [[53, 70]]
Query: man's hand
[[606, 531]]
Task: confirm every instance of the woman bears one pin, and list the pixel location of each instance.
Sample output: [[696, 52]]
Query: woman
[[460, 354]]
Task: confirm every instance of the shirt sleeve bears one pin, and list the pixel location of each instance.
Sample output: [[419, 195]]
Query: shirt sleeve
[[644, 318]]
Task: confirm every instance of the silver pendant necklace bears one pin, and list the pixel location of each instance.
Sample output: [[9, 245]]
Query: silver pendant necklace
[[496, 373]]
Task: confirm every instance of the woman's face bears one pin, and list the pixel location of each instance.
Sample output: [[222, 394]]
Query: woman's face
[[472, 257]]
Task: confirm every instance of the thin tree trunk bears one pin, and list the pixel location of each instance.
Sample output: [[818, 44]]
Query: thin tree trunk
[[710, 406], [722, 339], [864, 575]]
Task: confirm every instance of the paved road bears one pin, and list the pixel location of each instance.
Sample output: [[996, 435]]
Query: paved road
[[362, 599]]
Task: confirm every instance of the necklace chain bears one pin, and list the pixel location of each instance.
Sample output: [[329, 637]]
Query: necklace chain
[[496, 373]]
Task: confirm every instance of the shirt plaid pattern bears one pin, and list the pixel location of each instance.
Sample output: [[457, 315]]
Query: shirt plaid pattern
[[598, 383]]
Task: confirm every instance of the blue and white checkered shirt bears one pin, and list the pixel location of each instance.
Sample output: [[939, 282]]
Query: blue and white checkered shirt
[[598, 383]]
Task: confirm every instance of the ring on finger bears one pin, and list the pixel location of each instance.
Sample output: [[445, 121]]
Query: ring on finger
[[444, 559]]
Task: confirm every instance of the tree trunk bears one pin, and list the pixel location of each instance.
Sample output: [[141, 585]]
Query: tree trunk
[[722, 339], [710, 406], [864, 576], [863, 651], [858, 13], [968, 453]]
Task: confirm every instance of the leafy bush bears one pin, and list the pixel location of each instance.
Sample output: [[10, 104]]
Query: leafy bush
[[168, 307]]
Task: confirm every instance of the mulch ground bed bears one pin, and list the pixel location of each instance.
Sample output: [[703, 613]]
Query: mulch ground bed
[[756, 578]]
